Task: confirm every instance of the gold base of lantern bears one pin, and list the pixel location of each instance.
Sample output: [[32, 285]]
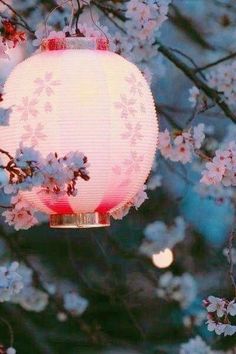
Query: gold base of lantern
[[79, 221]]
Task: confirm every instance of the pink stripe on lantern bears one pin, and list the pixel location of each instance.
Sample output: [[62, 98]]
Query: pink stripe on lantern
[[61, 206]]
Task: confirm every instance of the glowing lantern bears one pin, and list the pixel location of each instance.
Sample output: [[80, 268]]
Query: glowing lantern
[[76, 95], [163, 259]]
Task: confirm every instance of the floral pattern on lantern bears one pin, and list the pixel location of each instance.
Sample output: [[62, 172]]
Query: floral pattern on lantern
[[91, 101]]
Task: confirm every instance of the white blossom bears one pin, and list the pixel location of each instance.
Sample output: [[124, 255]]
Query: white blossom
[[181, 148], [11, 351], [21, 214], [135, 202], [159, 236], [181, 289], [222, 168], [216, 305], [10, 282], [195, 346], [75, 304]]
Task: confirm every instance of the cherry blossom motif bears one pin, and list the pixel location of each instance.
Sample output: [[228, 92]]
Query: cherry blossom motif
[[27, 108], [133, 133], [48, 107], [135, 85], [133, 164], [126, 105], [46, 84], [34, 134]]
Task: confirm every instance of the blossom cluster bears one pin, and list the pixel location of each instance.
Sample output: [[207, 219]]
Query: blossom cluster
[[10, 282], [57, 176], [9, 38], [219, 311], [74, 303], [28, 169], [223, 79], [222, 168], [183, 144], [135, 202], [10, 350], [159, 236], [195, 345], [181, 289], [30, 298], [145, 18], [20, 214]]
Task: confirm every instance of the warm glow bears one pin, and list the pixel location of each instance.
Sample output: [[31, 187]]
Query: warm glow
[[163, 259], [88, 100]]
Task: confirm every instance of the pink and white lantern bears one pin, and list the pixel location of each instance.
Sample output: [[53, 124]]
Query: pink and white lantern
[[77, 95]]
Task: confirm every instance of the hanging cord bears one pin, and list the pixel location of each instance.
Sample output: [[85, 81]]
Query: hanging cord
[[93, 21], [79, 12], [58, 7], [9, 327]]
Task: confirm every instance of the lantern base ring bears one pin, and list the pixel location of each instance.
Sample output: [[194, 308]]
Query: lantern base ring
[[79, 221]]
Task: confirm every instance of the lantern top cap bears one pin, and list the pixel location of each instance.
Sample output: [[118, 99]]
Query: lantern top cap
[[76, 43]]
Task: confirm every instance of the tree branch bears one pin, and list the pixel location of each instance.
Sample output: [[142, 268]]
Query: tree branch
[[190, 73], [214, 63], [24, 23]]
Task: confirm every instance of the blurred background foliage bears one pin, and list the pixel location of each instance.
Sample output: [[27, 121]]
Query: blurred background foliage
[[124, 315]]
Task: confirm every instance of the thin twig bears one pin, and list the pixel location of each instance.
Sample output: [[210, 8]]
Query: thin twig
[[214, 63], [189, 59], [24, 23], [190, 73], [231, 263], [10, 329]]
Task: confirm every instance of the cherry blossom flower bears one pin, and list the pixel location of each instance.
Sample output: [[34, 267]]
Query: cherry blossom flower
[[216, 305], [223, 80], [198, 135], [154, 182], [34, 135], [11, 351], [159, 236], [55, 34], [135, 202], [231, 308], [233, 254], [181, 289], [75, 304], [46, 84], [30, 298], [194, 95], [11, 35], [222, 169], [40, 34], [20, 215], [10, 282], [195, 346], [126, 105], [74, 3], [183, 145]]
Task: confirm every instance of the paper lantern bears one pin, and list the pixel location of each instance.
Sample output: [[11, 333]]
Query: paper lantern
[[76, 95]]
